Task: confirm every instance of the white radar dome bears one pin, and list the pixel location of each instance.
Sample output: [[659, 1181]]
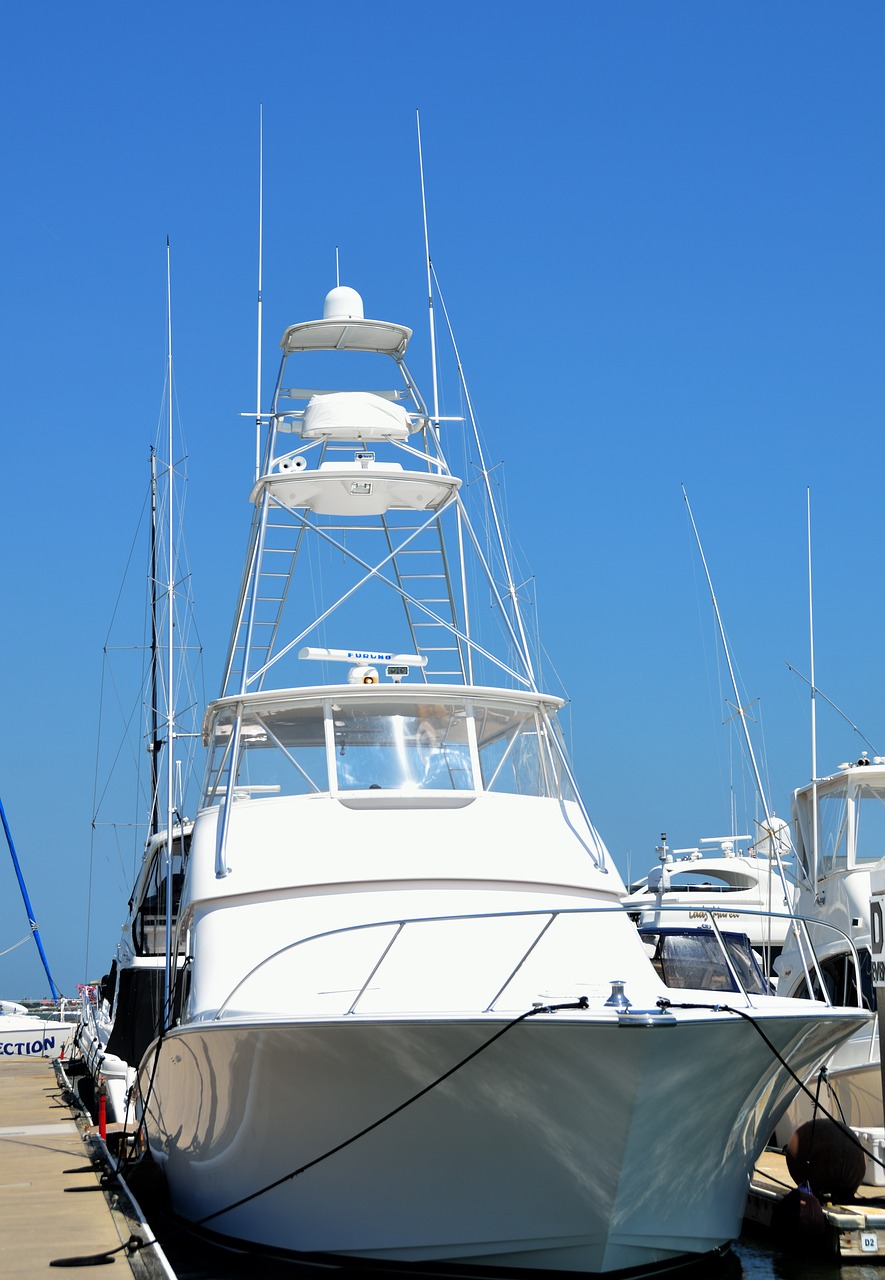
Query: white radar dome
[[775, 839], [343, 304]]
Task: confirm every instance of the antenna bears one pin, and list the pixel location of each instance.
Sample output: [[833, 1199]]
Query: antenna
[[260, 278], [434, 377], [838, 710], [512, 589], [815, 831], [741, 710], [337, 269]]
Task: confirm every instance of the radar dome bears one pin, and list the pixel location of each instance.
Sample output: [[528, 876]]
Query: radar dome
[[775, 839], [343, 303]]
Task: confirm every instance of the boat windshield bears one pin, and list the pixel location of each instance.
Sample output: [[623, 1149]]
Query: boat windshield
[[693, 959], [403, 749], [870, 824], [852, 826], [370, 743]]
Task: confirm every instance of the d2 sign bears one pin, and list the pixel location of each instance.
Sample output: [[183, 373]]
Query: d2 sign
[[877, 932]]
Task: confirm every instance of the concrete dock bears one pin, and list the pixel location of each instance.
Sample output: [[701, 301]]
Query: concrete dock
[[58, 1204]]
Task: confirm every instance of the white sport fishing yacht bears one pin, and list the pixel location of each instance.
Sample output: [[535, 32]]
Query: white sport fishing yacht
[[415, 1023], [840, 839]]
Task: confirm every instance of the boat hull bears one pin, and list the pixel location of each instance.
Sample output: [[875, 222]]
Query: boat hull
[[569, 1143], [28, 1037]]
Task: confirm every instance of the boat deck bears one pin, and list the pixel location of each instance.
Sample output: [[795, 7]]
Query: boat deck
[[854, 1231], [54, 1204]]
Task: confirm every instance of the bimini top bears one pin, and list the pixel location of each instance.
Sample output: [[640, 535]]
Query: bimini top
[[344, 328]]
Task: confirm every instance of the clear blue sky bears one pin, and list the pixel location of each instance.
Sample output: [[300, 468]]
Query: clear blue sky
[[659, 229]]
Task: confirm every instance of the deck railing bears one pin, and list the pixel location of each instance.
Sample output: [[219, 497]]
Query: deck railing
[[546, 918]]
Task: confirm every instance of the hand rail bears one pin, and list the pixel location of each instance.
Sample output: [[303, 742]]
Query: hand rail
[[551, 914]]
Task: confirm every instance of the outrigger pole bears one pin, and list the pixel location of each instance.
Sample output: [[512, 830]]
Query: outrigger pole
[[30, 910]]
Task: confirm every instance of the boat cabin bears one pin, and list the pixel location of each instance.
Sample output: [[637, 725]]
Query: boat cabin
[[850, 812]]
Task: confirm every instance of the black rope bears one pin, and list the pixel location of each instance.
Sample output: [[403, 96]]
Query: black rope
[[132, 1245], [832, 1093], [582, 1003], [742, 1013]]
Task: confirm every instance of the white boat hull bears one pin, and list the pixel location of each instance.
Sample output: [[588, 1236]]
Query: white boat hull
[[23, 1036], [571, 1143]]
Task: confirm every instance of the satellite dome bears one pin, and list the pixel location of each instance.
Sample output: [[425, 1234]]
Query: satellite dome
[[343, 303]]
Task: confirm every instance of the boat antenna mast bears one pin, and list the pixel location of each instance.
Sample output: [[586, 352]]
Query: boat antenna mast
[[434, 375], [815, 829], [260, 289], [741, 711], [511, 589], [434, 372]]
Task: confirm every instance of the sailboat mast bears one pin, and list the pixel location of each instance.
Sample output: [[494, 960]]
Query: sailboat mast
[[27, 901], [170, 645], [155, 741]]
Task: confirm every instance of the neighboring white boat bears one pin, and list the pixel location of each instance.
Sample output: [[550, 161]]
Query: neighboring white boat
[[840, 837], [416, 1023], [24, 1035], [745, 890]]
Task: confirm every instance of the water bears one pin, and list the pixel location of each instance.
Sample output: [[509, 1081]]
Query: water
[[758, 1261]]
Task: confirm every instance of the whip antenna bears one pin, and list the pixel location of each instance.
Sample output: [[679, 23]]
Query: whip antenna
[[433, 371], [260, 276]]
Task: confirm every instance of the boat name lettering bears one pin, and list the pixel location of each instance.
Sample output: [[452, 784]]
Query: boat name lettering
[[720, 915], [879, 973], [24, 1048]]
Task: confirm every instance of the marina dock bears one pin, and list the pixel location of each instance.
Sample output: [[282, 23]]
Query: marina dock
[[853, 1232], [60, 1207]]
